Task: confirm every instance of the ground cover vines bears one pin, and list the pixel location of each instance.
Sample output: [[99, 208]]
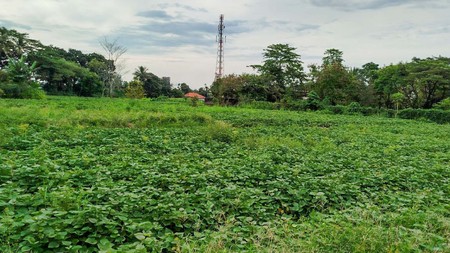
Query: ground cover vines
[[117, 175]]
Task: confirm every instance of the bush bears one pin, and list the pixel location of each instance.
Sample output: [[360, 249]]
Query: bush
[[220, 131], [443, 105], [194, 101], [295, 105], [337, 109], [135, 89], [313, 102], [438, 116], [33, 93], [22, 90], [354, 108]]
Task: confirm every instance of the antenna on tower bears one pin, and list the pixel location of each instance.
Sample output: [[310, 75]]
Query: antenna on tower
[[220, 56]]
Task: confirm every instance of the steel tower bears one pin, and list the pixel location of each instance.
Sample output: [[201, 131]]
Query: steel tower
[[220, 56]]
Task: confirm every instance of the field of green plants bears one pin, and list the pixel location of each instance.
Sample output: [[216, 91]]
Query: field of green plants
[[120, 175]]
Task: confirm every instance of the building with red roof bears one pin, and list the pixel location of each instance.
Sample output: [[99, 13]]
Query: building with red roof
[[194, 95]]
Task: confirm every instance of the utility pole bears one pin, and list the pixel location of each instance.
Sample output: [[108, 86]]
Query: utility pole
[[220, 56]]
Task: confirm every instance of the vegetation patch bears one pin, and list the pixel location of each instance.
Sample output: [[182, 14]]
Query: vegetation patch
[[85, 180]]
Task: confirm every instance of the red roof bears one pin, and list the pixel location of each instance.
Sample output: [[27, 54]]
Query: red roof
[[193, 95]]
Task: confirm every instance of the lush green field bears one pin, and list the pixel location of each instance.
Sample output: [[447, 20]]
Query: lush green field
[[116, 175]]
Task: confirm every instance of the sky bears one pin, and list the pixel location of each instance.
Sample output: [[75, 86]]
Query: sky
[[178, 38]]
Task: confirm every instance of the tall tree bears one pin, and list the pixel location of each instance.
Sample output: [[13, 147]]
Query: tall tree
[[335, 82], [64, 77], [284, 69], [152, 83], [184, 88], [14, 44], [141, 74], [431, 78], [333, 56], [114, 52], [228, 89], [389, 81]]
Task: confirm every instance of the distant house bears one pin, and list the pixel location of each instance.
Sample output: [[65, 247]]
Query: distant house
[[194, 95]]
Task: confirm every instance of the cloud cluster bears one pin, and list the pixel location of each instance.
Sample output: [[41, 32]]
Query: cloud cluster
[[179, 39]]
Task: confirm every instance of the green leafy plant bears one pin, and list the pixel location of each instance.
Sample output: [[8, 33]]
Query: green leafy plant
[[163, 177]]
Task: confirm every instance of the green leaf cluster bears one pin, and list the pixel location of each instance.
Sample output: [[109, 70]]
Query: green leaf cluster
[[102, 175]]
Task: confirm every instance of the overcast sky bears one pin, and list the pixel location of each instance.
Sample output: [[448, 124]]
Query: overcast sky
[[178, 38]]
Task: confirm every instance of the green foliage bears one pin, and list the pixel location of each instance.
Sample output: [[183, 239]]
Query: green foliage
[[194, 101], [283, 67], [313, 102], [423, 82], [220, 131], [354, 107], [443, 105], [228, 89], [153, 85], [334, 82], [13, 45], [65, 77], [95, 174], [397, 98], [333, 56], [438, 116], [19, 71], [16, 81], [263, 105], [429, 80], [135, 89]]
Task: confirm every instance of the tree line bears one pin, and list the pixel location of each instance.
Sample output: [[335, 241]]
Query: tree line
[[29, 69], [420, 83]]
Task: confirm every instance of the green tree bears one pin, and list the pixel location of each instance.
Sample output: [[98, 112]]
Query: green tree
[[184, 88], [17, 80], [429, 79], [228, 89], [333, 56], [135, 89], [334, 82], [397, 98], [443, 105], [64, 77], [14, 44], [283, 67], [389, 81], [152, 83], [255, 87], [367, 75]]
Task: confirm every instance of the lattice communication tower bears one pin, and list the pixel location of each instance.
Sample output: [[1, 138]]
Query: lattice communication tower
[[220, 56]]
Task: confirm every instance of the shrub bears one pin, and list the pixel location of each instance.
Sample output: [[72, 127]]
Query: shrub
[[21, 90], [313, 102], [443, 105], [135, 89], [354, 108], [194, 101], [33, 93], [337, 109], [295, 105], [438, 116], [220, 131]]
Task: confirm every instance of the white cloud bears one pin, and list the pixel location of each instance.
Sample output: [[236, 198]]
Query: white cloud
[[178, 39]]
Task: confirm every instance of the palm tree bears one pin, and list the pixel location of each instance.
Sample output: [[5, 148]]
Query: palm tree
[[141, 74]]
